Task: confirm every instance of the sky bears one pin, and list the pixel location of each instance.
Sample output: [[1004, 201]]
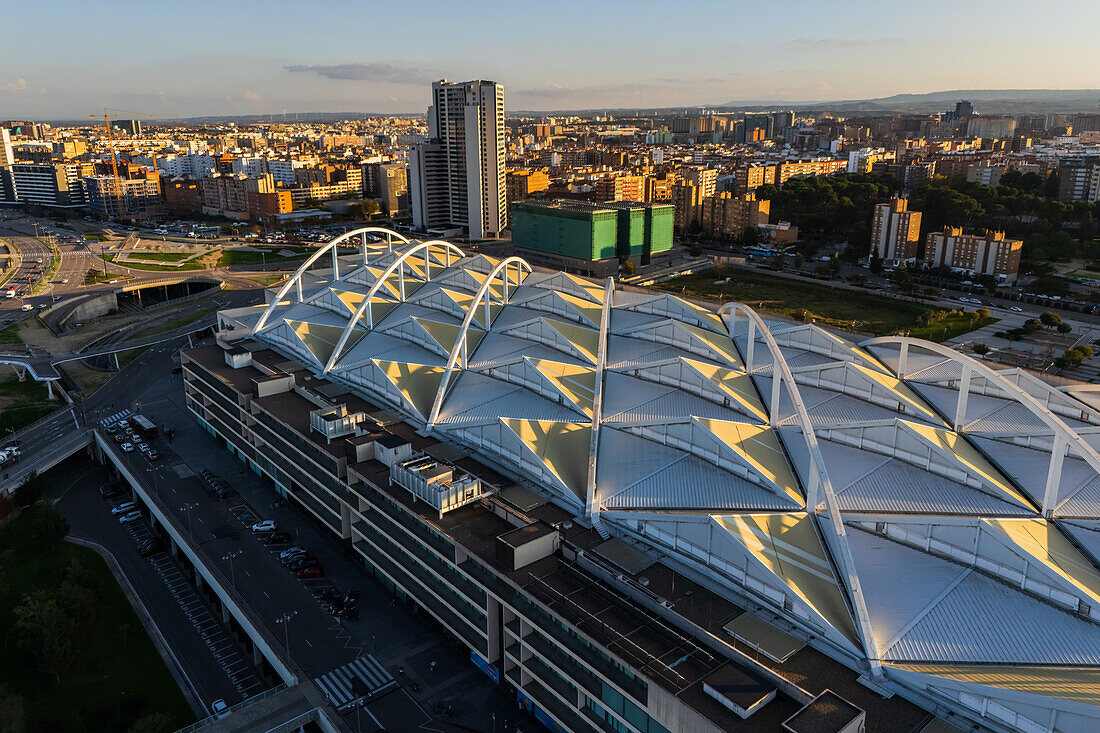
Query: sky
[[67, 59]]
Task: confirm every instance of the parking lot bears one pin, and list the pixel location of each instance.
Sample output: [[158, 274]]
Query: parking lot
[[415, 669]]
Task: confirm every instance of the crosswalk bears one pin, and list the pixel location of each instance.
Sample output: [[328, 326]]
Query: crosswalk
[[354, 681], [115, 418], [221, 646]]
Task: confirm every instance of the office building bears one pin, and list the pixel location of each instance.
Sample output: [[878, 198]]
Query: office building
[[591, 238], [895, 232], [637, 514], [130, 127], [1085, 123], [393, 189], [974, 254], [757, 128], [47, 184], [7, 154], [457, 177]]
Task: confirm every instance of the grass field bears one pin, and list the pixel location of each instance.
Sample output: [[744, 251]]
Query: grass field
[[161, 256], [823, 304], [950, 327], [173, 324], [157, 268], [10, 335], [21, 403], [116, 676], [252, 257]]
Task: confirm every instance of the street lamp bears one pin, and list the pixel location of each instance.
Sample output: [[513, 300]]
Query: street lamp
[[232, 573], [285, 621], [187, 508]]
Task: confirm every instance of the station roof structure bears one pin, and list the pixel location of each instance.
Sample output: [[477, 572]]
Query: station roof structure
[[931, 518]]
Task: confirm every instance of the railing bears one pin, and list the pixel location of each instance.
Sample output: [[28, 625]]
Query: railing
[[75, 443], [243, 704]]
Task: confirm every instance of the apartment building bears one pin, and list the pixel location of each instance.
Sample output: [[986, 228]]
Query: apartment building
[[998, 128], [135, 197], [525, 184], [1079, 179], [457, 177], [706, 179], [237, 196], [621, 188], [728, 216], [974, 254], [895, 232]]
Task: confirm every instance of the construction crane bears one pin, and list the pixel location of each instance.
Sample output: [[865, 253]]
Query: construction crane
[[111, 146]]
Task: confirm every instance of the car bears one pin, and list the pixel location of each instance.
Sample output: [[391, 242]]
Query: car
[[267, 525], [311, 572], [127, 447], [131, 517], [1016, 309], [27, 307], [124, 508], [43, 305], [119, 438], [152, 455], [219, 709], [111, 430], [143, 447], [305, 561], [112, 282], [277, 538], [288, 556]]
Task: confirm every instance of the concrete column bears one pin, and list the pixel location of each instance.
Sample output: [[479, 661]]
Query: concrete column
[[225, 613], [1054, 474], [964, 393], [257, 657], [750, 350], [363, 239], [49, 387], [773, 410]]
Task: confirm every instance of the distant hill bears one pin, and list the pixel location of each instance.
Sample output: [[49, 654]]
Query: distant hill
[[986, 101]]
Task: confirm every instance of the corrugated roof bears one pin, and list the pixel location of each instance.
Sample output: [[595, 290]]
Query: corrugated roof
[[984, 621]]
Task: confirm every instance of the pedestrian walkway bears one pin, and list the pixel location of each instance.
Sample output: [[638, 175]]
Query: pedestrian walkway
[[355, 682]]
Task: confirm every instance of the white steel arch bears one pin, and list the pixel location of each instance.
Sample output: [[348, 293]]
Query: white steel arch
[[459, 347], [394, 266], [1064, 436], [296, 278], [819, 476]]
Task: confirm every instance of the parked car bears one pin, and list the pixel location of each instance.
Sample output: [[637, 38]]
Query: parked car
[[277, 538], [124, 508], [152, 455], [313, 571], [304, 561], [219, 709], [131, 517], [127, 447], [292, 558], [120, 438], [1016, 309], [267, 525]]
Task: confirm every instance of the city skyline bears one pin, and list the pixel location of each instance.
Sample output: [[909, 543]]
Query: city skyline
[[358, 59]]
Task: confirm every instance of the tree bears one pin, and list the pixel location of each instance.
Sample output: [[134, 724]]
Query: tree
[[628, 268], [1050, 318], [157, 722], [750, 236], [902, 279], [983, 313], [12, 716], [876, 263], [47, 631], [1064, 328], [980, 349], [798, 260], [30, 490]]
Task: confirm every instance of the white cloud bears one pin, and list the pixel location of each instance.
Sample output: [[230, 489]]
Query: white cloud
[[17, 86]]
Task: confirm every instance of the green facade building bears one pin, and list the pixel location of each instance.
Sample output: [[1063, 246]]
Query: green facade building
[[591, 238]]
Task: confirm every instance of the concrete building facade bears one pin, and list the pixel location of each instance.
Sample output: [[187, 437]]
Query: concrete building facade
[[895, 232]]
